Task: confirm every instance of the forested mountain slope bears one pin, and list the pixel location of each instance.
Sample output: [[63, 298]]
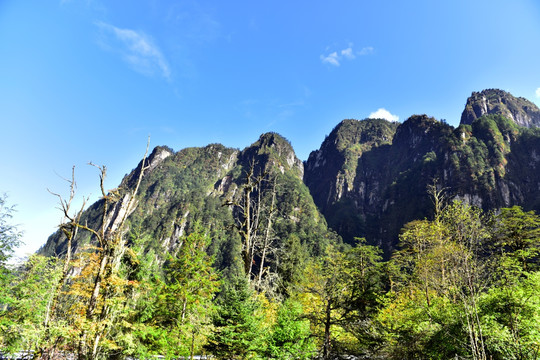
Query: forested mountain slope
[[370, 177], [227, 252], [206, 186]]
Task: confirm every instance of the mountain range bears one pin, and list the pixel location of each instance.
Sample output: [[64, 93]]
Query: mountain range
[[368, 179]]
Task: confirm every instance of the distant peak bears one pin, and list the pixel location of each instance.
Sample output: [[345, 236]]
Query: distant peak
[[273, 150], [499, 102], [354, 125], [270, 138], [416, 128]]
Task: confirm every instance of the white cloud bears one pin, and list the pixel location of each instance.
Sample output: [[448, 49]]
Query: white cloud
[[348, 53], [137, 49], [332, 59], [383, 114], [366, 51], [335, 58], [538, 92]]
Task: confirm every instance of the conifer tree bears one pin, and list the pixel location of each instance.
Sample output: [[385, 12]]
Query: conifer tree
[[290, 336], [183, 303], [236, 333], [10, 236]]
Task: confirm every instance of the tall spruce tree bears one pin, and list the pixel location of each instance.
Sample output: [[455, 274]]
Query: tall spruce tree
[[237, 323]]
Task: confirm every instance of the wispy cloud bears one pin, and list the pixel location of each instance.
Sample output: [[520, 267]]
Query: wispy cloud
[[348, 53], [335, 58], [332, 59], [383, 114], [368, 50], [538, 92], [137, 49]]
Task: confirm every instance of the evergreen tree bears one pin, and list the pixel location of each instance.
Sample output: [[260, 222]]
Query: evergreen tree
[[516, 236], [9, 237], [290, 336], [237, 322], [26, 302], [184, 301]]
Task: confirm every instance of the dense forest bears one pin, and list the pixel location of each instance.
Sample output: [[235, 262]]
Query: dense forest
[[393, 241], [464, 284]]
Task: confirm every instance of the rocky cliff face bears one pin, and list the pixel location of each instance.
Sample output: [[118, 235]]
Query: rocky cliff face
[[492, 101], [483, 163], [180, 189], [331, 171], [368, 179]]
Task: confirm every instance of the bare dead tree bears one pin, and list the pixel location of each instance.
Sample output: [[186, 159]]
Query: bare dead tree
[[438, 197], [268, 239], [111, 239], [117, 205], [69, 229], [250, 212]]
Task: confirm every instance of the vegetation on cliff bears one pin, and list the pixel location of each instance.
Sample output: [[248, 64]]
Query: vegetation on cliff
[[233, 252], [464, 284]]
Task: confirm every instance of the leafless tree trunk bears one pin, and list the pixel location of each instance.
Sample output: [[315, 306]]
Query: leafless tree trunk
[[110, 238], [250, 211], [267, 235], [112, 246], [257, 206], [69, 229]]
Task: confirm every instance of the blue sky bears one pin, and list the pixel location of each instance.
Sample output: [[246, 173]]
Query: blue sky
[[90, 80]]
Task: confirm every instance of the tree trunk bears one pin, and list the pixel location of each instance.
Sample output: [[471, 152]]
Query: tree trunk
[[247, 231], [268, 231], [327, 323]]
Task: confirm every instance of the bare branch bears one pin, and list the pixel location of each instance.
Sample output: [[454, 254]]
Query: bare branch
[[139, 180]]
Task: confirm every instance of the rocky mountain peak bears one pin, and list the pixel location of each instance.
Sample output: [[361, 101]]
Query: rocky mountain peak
[[367, 132], [158, 154], [274, 141], [368, 178], [331, 171], [494, 101], [416, 130], [273, 150]]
